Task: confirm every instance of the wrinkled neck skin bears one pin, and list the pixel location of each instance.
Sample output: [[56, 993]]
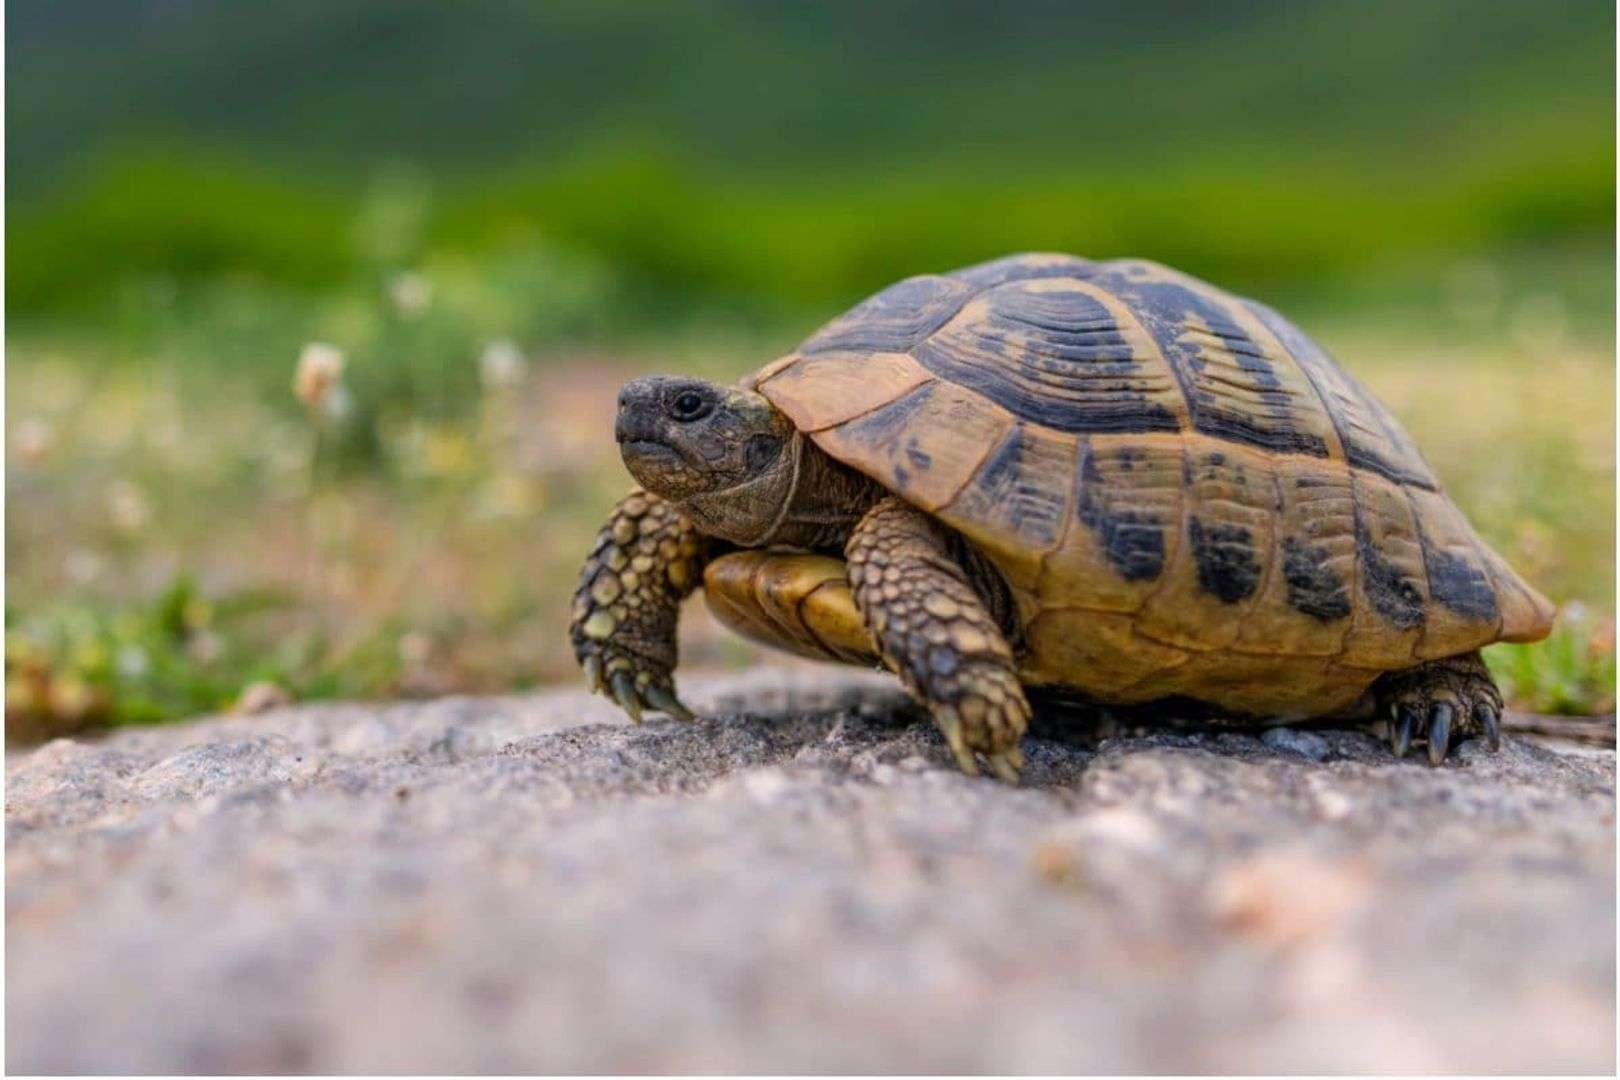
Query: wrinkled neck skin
[[817, 499]]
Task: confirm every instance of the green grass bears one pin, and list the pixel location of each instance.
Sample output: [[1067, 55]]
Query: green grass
[[1570, 672]]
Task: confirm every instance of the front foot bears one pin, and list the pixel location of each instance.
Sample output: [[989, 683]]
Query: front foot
[[982, 710], [1441, 703], [635, 682], [645, 560], [933, 629]]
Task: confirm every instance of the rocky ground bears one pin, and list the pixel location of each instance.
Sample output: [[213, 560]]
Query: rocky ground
[[801, 882]]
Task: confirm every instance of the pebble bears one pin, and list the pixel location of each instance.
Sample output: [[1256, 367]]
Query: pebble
[[1306, 744]]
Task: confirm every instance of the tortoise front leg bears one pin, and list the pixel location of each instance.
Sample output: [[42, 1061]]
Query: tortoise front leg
[[934, 631], [645, 561]]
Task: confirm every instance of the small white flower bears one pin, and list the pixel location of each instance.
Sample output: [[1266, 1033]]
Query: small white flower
[[338, 403], [33, 439], [411, 294], [133, 661], [320, 370], [501, 365]]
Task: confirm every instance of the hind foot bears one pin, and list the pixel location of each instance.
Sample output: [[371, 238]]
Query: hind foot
[[1441, 703]]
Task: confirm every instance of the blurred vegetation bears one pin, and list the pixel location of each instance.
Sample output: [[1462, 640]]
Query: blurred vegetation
[[494, 214]]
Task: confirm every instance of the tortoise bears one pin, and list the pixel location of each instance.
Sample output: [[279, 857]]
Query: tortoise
[[1096, 481]]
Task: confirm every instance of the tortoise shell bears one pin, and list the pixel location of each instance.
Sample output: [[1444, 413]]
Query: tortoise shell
[[1186, 494]]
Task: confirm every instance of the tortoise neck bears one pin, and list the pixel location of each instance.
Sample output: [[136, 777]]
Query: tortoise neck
[[824, 504]]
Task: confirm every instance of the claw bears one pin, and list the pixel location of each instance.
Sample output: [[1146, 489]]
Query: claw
[[1400, 728], [593, 673], [1491, 721], [1439, 732], [624, 692], [1002, 765], [660, 698], [951, 725]]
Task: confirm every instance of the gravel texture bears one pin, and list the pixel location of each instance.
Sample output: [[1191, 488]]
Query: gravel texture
[[801, 882]]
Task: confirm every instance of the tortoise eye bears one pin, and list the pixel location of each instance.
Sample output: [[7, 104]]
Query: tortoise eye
[[689, 405]]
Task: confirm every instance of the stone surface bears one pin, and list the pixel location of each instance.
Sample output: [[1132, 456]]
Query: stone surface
[[798, 882]]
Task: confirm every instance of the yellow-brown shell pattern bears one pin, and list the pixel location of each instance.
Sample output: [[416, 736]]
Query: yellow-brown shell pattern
[[1187, 494]]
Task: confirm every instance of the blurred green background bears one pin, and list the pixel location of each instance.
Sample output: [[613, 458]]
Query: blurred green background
[[473, 221]]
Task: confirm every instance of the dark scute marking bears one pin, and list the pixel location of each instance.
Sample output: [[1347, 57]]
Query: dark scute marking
[[1459, 584], [1165, 309], [1000, 470], [888, 430], [1133, 541], [1363, 457], [1236, 427], [895, 319], [1054, 358], [1320, 368], [1314, 587], [1224, 555], [1021, 268], [1073, 325], [1008, 487], [1394, 595]]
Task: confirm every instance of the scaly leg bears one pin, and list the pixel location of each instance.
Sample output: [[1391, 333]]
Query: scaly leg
[[933, 629], [645, 561]]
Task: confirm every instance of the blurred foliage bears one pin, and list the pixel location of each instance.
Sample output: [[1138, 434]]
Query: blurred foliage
[[777, 244], [1571, 672], [795, 155], [179, 654], [477, 220]]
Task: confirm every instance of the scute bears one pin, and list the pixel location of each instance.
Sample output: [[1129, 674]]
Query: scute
[[1057, 352], [894, 320], [1239, 384], [1371, 437], [925, 445], [1019, 500], [1225, 552], [1166, 474], [1025, 268]]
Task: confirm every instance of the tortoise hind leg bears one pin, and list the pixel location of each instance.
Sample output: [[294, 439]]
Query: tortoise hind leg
[[934, 630], [1442, 701]]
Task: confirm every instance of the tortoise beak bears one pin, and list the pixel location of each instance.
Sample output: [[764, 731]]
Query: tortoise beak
[[642, 432], [639, 418]]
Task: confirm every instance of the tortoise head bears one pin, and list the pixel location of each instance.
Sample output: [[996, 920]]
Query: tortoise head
[[726, 457]]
